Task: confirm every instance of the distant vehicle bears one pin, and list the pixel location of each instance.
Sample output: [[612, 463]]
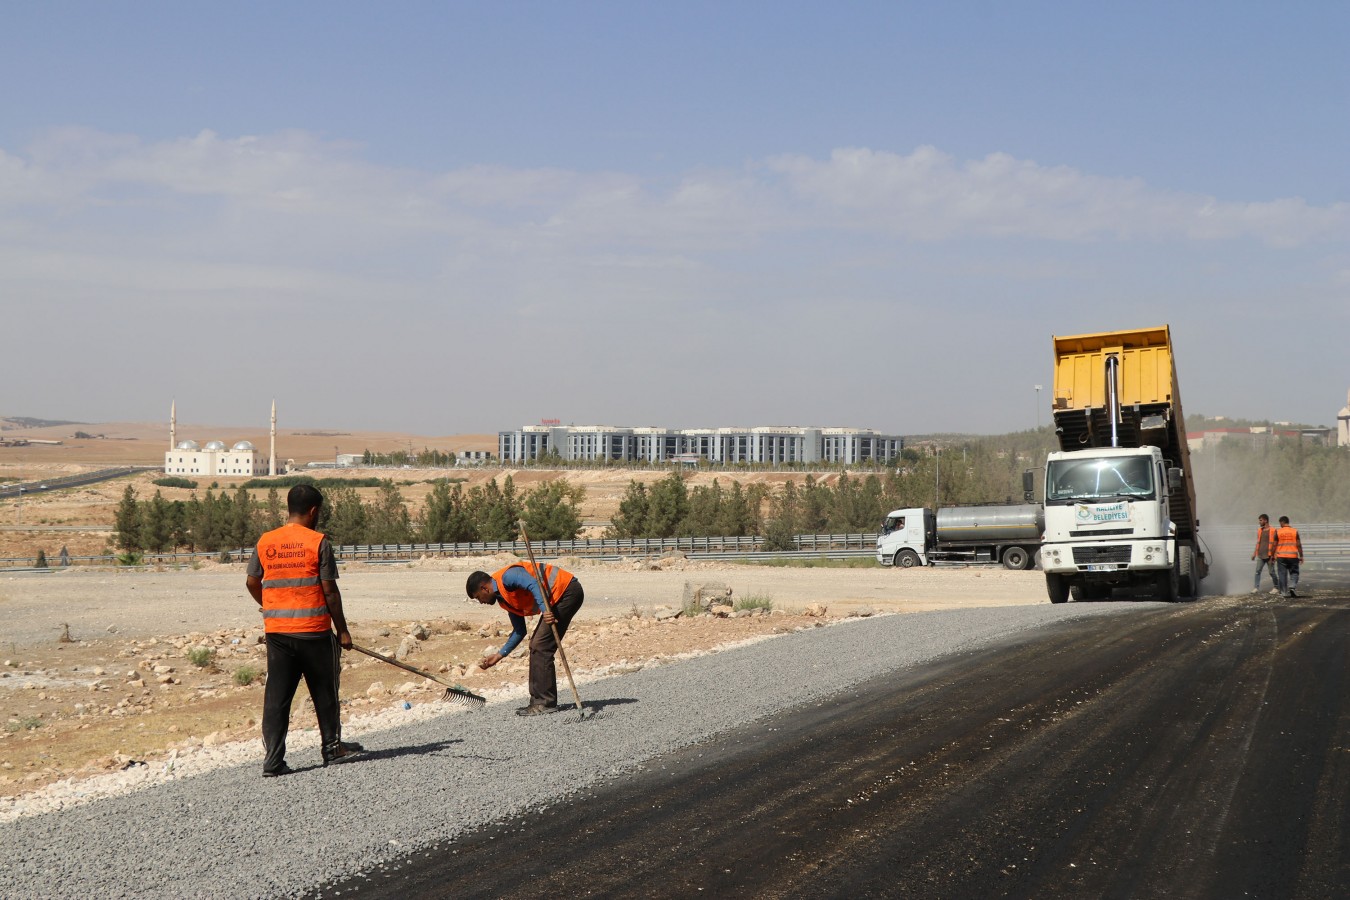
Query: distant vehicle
[[965, 535]]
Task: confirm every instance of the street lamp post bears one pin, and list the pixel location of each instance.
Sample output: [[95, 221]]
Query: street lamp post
[[1038, 407]]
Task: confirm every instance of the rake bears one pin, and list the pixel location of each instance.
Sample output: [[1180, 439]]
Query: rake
[[455, 693]]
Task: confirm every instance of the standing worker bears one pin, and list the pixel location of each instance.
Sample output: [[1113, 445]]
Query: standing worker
[[293, 577], [1288, 556], [1264, 554], [517, 589]]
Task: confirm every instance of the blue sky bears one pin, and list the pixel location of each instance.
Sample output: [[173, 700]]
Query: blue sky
[[449, 218]]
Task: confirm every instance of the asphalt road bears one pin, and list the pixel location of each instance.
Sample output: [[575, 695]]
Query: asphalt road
[[1194, 751]]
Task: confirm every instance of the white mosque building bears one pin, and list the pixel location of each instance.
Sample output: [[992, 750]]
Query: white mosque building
[[214, 458]]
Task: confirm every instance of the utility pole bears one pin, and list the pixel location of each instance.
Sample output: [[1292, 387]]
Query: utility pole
[[937, 477], [1038, 407]]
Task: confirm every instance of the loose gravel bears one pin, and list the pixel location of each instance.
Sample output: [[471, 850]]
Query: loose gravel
[[229, 832]]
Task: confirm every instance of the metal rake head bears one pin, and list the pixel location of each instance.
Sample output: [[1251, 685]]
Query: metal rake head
[[464, 697]]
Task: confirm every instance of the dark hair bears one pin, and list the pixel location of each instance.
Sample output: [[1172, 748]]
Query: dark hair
[[1264, 516], [476, 581], [1284, 520], [302, 498]]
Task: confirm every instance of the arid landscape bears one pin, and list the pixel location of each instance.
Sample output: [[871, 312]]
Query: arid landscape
[[104, 669]]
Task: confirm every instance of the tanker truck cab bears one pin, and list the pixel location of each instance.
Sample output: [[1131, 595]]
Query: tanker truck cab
[[904, 538]]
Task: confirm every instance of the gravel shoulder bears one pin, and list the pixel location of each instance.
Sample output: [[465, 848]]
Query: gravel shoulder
[[439, 778]]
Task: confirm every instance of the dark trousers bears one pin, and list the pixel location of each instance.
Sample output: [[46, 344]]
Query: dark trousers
[[289, 658], [1288, 573], [543, 673]]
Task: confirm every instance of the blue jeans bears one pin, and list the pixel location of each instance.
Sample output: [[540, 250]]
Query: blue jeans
[[1274, 577], [1288, 574]]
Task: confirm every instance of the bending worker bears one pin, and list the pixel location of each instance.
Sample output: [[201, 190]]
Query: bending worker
[[293, 577], [517, 589]]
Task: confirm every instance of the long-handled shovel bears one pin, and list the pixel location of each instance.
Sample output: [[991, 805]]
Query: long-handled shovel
[[453, 692], [548, 598]]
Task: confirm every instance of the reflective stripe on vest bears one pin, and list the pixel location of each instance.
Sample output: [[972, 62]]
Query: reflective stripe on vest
[[293, 601], [522, 603], [1286, 546]]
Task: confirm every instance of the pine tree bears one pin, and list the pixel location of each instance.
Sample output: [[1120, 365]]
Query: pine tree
[[127, 522], [445, 517], [631, 519], [667, 507], [156, 527], [552, 511], [387, 520], [275, 515]]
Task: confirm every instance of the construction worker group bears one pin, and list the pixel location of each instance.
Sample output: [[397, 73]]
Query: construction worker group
[[1281, 550]]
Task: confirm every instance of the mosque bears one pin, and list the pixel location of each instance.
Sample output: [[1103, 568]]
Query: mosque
[[214, 458]]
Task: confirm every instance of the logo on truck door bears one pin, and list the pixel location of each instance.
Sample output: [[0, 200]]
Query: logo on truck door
[[1094, 513]]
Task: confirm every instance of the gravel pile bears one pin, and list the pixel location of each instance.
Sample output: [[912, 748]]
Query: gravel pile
[[229, 832]]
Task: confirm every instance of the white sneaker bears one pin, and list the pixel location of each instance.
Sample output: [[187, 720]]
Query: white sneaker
[[1256, 590], [1274, 590]]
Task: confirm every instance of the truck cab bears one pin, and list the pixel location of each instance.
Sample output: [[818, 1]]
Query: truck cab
[[904, 538]]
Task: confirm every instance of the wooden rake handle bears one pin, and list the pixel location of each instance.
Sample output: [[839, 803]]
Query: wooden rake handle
[[548, 599]]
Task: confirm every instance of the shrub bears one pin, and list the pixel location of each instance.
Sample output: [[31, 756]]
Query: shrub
[[130, 558], [201, 657], [225, 557], [755, 601], [27, 723], [176, 481], [41, 560], [246, 675]]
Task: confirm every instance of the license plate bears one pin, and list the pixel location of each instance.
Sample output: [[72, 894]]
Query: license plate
[[1100, 568]]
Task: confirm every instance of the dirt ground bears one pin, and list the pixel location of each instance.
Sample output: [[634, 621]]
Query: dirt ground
[[100, 668]]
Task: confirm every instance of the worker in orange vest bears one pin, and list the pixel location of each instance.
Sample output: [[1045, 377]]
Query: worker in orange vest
[[293, 577], [517, 590], [1264, 554], [1288, 556]]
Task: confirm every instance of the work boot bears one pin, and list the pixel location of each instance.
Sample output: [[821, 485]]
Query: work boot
[[278, 772], [536, 709], [1292, 593], [343, 750]]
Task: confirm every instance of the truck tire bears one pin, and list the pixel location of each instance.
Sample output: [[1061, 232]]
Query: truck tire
[[1057, 587], [1089, 592], [1168, 584], [906, 559], [1186, 581], [1016, 558]]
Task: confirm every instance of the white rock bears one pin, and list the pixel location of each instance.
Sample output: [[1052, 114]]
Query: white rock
[[376, 689]]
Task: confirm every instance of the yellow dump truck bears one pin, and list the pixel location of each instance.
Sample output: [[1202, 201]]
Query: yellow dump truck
[[1119, 493]]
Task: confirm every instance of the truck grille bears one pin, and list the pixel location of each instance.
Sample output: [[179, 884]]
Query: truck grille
[[1087, 556]]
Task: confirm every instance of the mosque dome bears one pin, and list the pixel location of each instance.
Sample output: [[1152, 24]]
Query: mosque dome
[[244, 446], [215, 445], [187, 445]]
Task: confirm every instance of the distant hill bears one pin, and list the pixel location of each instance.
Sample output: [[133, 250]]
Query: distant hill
[[10, 423]]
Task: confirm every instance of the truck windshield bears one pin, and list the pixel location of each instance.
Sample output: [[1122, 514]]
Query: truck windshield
[[1099, 478], [892, 523]]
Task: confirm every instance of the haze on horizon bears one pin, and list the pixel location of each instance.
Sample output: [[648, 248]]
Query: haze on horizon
[[449, 219]]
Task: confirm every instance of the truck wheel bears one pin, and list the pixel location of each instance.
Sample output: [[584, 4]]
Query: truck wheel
[[1186, 586], [1057, 588], [1016, 558], [906, 559], [1167, 585]]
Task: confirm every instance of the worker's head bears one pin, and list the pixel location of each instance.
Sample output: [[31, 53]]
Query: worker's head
[[481, 588], [1263, 519], [303, 502], [1284, 520]]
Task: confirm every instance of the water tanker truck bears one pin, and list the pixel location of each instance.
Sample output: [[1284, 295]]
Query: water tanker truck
[[1119, 493], [1010, 535]]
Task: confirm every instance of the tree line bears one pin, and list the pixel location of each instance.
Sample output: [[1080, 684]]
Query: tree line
[[228, 521]]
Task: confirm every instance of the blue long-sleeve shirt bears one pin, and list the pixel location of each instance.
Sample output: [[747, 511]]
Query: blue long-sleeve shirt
[[519, 579]]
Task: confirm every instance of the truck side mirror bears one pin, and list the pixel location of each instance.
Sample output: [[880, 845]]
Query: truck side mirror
[[1028, 486], [1174, 479]]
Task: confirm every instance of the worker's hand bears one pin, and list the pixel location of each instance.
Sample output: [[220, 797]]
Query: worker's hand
[[549, 618], [1253, 556], [489, 661], [345, 640]]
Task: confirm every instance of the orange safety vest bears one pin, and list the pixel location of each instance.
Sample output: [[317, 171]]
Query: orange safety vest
[[293, 601], [522, 603], [1265, 540], [1286, 542]]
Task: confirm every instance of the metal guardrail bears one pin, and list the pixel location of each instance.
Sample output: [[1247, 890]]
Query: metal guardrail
[[833, 546], [1317, 549]]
